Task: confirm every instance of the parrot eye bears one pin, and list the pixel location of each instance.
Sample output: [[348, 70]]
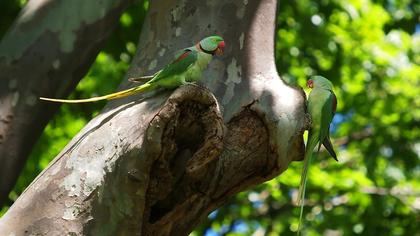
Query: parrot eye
[[310, 83]]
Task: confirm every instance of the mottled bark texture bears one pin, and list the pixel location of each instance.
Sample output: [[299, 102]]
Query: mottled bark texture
[[159, 165], [47, 50]]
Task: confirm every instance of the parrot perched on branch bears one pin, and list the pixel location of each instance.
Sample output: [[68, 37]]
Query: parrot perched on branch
[[187, 67], [322, 104]]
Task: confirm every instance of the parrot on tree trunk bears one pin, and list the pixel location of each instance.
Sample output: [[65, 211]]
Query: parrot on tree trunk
[[187, 67], [322, 104]]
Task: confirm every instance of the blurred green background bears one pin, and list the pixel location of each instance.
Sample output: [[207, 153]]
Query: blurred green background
[[370, 49]]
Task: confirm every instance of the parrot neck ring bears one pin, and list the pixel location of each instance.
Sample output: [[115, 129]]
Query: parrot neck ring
[[220, 48], [218, 51], [310, 83], [204, 50]]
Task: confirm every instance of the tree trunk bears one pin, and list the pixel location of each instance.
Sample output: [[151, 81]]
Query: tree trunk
[[159, 165], [48, 49]]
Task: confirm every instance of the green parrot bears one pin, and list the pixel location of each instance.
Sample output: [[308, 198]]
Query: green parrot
[[187, 67], [322, 104]]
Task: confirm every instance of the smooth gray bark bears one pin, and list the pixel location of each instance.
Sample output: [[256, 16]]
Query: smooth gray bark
[[47, 50], [159, 165]]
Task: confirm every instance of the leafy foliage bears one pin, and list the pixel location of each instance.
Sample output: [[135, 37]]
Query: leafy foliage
[[371, 51]]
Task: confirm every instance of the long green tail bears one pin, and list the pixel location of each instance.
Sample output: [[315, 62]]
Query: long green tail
[[139, 89], [312, 141], [302, 190]]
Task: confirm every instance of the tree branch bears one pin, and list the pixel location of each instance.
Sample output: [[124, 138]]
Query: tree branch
[[355, 136], [47, 50]]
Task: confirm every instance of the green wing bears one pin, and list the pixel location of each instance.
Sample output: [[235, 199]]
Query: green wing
[[326, 117], [178, 66]]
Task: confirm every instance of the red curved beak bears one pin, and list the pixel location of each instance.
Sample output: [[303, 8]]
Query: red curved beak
[[310, 83], [220, 48]]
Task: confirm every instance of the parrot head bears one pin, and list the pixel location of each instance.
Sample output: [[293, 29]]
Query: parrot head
[[319, 82], [212, 45]]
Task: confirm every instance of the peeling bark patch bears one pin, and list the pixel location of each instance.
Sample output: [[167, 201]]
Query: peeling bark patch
[[178, 31], [13, 84], [15, 99], [71, 213], [67, 40], [241, 9], [234, 72], [56, 64], [162, 52], [176, 12], [73, 185], [65, 26], [31, 99], [190, 10], [87, 173], [241, 41], [152, 65], [240, 12]]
